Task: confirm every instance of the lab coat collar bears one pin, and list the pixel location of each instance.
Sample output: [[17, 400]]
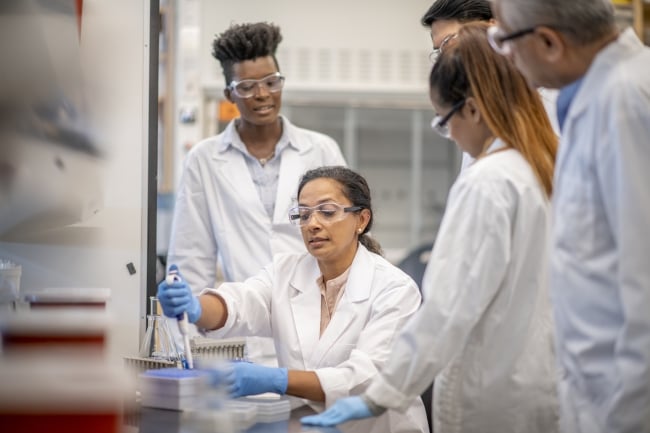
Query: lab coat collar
[[230, 136], [624, 46], [358, 287], [496, 144], [292, 166], [306, 301], [289, 129]]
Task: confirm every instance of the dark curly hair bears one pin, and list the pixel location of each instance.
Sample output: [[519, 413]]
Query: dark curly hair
[[355, 188], [247, 41]]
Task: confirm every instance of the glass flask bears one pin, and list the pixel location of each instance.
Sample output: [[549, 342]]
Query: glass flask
[[158, 341]]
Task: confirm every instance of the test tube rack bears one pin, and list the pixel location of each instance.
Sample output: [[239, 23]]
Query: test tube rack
[[230, 349]]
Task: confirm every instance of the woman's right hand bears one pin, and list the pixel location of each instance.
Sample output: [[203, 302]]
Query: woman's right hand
[[176, 298]]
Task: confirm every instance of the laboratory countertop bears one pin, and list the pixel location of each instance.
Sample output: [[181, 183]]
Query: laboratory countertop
[[150, 420]]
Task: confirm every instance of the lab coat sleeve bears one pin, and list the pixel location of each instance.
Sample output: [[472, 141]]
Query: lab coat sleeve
[[623, 164], [464, 274], [390, 311], [192, 245], [248, 304]]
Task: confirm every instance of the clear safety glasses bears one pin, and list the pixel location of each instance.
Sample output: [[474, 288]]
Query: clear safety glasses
[[326, 213], [435, 53], [246, 88], [500, 41], [439, 123]]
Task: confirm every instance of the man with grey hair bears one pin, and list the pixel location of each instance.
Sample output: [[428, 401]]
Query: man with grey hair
[[601, 241]]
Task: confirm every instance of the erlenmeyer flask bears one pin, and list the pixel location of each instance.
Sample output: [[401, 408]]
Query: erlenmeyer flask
[[158, 341]]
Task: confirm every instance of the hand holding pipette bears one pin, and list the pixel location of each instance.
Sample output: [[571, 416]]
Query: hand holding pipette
[[177, 300]]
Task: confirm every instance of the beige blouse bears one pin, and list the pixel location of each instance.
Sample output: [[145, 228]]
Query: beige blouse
[[331, 291]]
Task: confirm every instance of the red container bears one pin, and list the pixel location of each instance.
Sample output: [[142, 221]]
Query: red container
[[60, 330], [57, 395]]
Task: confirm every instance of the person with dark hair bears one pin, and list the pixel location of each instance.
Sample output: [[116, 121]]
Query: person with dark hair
[[332, 312], [238, 186], [484, 330], [445, 17], [600, 243]]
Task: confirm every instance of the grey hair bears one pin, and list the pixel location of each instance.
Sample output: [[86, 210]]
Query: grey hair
[[585, 21]]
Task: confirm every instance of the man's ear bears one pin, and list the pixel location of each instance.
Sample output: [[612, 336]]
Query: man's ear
[[553, 44]]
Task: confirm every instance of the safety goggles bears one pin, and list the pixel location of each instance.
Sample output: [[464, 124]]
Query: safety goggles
[[246, 88], [435, 53], [439, 123], [326, 213]]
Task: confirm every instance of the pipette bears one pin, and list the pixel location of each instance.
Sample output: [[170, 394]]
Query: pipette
[[183, 327]]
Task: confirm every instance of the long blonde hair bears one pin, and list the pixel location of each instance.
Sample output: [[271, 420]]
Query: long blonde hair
[[514, 112]]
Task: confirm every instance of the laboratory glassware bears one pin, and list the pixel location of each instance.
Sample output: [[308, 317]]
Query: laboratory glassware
[[158, 341]]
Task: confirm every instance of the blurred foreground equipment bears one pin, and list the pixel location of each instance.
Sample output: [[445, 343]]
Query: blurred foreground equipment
[[50, 163]]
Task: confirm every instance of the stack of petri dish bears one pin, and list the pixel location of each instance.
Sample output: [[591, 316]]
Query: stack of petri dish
[[268, 407], [173, 388]]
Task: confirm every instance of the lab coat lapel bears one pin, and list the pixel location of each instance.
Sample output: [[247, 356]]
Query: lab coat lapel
[[626, 45], [357, 291], [231, 166], [292, 167], [305, 305]]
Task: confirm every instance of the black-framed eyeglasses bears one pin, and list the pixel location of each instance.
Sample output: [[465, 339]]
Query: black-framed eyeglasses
[[246, 88], [499, 39], [326, 213], [439, 123]]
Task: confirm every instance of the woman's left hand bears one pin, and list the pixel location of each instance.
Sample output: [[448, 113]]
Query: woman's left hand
[[246, 378], [343, 410]]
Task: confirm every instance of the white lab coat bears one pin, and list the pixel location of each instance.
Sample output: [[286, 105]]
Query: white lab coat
[[218, 212], [284, 301], [600, 257], [485, 327]]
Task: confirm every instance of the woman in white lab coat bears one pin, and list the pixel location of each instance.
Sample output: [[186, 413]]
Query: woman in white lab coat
[[484, 331], [333, 312], [237, 186]]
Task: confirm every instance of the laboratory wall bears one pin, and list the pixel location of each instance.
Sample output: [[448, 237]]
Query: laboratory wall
[[105, 248]]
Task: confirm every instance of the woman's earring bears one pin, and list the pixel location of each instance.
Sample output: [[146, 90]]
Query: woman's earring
[[360, 230]]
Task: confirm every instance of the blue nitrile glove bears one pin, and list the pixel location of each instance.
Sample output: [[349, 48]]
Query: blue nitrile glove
[[246, 378], [217, 376], [343, 410], [176, 298]]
